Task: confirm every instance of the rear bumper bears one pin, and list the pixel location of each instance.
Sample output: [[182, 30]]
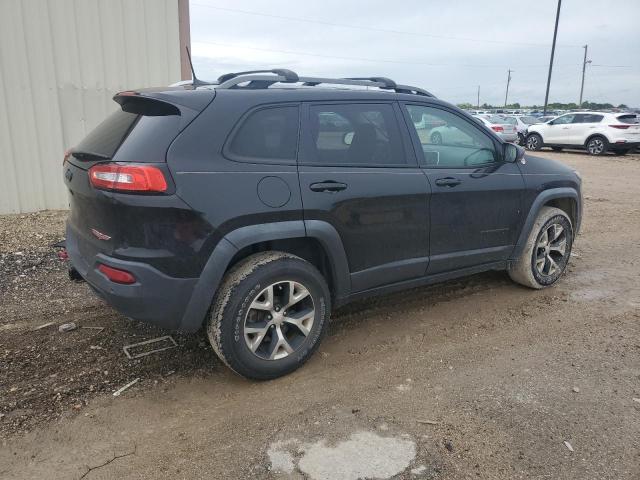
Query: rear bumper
[[155, 297], [509, 137], [623, 143]]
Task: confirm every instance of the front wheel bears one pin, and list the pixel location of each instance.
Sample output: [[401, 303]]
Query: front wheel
[[547, 251], [269, 315], [534, 141]]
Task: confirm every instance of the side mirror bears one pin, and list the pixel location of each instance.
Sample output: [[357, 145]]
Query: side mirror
[[513, 153], [347, 138]]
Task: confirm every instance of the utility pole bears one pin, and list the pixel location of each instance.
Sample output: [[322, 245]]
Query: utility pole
[[478, 97], [584, 67], [507, 94], [553, 51]]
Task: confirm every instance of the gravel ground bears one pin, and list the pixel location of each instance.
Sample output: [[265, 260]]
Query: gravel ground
[[476, 378]]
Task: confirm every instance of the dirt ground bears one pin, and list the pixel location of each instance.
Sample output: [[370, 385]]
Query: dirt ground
[[476, 378]]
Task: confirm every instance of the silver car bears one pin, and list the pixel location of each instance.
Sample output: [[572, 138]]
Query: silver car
[[506, 131]]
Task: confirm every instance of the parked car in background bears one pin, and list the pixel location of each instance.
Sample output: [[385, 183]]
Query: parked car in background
[[521, 122], [597, 132], [254, 210], [507, 132]]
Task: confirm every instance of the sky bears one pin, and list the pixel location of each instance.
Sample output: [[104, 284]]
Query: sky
[[447, 48]]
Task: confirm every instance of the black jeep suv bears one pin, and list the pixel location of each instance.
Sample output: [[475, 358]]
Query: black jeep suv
[[256, 204]]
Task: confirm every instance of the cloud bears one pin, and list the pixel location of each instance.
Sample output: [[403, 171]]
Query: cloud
[[448, 48]]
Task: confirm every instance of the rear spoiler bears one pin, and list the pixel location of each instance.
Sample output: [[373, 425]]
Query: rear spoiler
[[164, 101]]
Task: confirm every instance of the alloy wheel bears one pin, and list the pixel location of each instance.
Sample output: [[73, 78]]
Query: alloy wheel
[[550, 250], [278, 320], [596, 146], [532, 142]]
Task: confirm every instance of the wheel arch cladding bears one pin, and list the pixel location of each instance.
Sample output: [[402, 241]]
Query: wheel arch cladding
[[562, 198], [321, 247]]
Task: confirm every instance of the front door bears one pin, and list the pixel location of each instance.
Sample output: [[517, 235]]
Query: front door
[[358, 173], [475, 199], [558, 131]]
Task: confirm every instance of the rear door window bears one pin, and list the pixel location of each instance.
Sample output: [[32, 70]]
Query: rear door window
[[269, 134], [354, 134], [591, 118]]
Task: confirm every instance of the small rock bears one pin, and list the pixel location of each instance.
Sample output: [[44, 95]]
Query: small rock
[[576, 390], [568, 445], [67, 327], [2, 415], [355, 410], [637, 400], [448, 445]]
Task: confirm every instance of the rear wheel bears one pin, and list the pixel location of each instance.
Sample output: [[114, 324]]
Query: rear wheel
[[520, 140], [547, 251], [269, 315], [597, 145], [534, 141]]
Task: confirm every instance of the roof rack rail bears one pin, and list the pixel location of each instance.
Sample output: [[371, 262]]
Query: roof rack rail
[[257, 79], [289, 75]]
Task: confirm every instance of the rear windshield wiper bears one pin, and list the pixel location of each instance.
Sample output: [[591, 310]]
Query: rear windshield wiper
[[90, 156]]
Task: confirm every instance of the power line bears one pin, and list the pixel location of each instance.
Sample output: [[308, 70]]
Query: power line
[[365, 59], [373, 29]]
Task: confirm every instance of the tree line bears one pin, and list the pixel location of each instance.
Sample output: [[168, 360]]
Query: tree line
[[551, 106]]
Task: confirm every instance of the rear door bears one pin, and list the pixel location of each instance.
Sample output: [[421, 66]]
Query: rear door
[[358, 173], [475, 200]]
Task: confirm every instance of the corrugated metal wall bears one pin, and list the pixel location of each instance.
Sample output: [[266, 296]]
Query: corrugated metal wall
[[61, 61]]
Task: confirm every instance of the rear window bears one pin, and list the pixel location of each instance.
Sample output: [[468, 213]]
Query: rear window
[[268, 134], [107, 137], [629, 118], [529, 120]]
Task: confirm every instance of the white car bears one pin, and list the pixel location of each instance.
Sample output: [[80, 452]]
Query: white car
[[506, 131], [597, 132]]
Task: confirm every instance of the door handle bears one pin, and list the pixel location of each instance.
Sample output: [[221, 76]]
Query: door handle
[[448, 182], [327, 186]]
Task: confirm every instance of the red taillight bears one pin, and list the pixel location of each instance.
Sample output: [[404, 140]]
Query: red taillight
[[116, 275], [127, 178], [497, 128], [620, 127]]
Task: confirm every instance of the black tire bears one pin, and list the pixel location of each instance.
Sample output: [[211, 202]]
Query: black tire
[[521, 139], [597, 145], [556, 149], [525, 270], [534, 142], [436, 138], [233, 305]]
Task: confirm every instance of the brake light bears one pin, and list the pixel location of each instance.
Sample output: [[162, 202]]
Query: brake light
[[127, 178], [497, 128], [620, 127], [116, 275]]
